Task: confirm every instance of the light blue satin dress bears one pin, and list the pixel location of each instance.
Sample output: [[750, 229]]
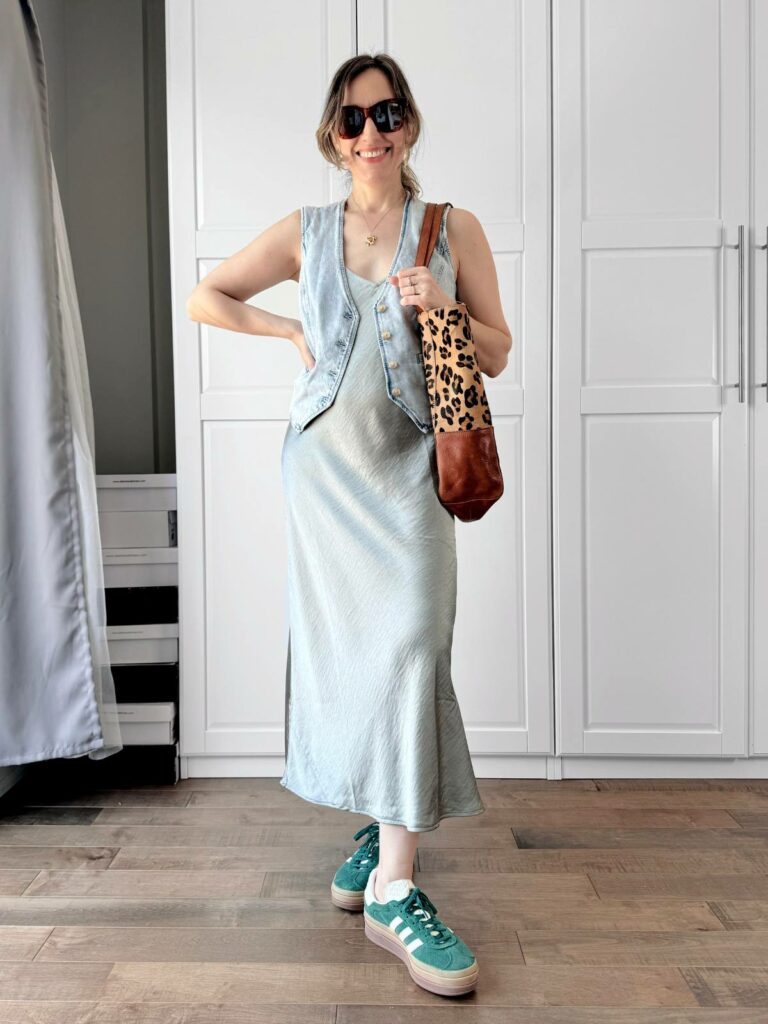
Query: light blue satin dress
[[373, 724]]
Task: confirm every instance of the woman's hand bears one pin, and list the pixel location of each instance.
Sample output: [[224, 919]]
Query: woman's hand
[[297, 338], [413, 280]]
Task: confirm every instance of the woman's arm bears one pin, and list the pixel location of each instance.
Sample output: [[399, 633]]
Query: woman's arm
[[220, 298], [477, 286]]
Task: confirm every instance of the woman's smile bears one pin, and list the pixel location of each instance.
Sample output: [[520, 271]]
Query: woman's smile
[[373, 156]]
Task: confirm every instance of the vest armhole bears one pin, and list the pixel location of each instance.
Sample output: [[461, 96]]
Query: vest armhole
[[442, 241]]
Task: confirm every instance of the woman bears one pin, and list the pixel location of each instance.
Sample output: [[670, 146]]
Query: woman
[[372, 721]]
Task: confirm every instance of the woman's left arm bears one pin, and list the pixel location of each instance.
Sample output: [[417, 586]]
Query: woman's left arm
[[477, 286]]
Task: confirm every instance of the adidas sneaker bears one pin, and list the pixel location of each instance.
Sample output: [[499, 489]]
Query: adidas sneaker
[[406, 924], [352, 876]]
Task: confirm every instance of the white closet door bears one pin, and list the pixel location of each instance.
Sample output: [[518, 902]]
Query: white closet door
[[759, 347], [235, 168], [245, 92], [481, 82], [650, 431]]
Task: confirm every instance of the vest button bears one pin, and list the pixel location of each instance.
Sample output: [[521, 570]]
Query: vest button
[[386, 335], [395, 391], [393, 363], [381, 307]]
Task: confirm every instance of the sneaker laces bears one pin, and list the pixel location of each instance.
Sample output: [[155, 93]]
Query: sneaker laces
[[418, 903], [369, 848]]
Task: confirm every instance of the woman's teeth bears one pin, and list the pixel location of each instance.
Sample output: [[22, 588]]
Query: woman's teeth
[[371, 154]]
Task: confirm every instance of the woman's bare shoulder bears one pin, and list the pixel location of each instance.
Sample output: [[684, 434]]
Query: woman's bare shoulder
[[464, 233]]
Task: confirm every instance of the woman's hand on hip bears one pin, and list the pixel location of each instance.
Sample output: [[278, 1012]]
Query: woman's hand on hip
[[419, 288]]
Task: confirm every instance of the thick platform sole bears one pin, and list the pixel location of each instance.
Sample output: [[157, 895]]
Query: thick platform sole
[[346, 899], [443, 983]]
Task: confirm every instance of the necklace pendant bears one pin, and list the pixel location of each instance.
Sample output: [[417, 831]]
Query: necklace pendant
[[370, 239]]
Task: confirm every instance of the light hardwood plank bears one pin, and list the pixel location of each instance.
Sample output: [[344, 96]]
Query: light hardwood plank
[[502, 985], [148, 884], [54, 1012], [637, 949], [604, 838], [661, 861], [749, 915], [715, 887], [729, 986], [241, 945], [13, 881], [21, 942], [40, 857]]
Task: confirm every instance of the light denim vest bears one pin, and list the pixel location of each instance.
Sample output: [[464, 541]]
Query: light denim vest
[[330, 317]]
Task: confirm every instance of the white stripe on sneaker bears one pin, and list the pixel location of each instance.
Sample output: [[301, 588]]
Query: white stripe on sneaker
[[405, 932], [395, 922], [413, 945]]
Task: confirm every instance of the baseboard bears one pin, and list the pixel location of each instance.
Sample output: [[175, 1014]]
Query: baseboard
[[530, 766]]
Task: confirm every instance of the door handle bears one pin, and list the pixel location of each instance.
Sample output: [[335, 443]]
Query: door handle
[[765, 383], [740, 246]]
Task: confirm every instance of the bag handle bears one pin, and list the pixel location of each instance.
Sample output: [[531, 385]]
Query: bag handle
[[430, 230]]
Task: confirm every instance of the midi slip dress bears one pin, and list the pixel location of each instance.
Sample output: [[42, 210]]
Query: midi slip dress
[[372, 724]]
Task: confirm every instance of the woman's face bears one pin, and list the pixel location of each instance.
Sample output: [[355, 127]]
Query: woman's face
[[368, 88]]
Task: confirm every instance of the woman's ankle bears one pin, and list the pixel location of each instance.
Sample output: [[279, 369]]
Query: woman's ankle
[[381, 880]]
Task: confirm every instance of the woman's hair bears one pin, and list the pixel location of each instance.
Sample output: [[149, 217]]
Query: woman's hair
[[331, 116]]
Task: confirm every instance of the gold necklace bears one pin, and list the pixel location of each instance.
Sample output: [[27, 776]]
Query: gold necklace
[[370, 238]]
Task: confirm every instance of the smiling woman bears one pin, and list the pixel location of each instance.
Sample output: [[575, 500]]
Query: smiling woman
[[373, 724]]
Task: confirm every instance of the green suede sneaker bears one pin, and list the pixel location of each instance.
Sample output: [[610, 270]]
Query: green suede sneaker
[[407, 925], [349, 882]]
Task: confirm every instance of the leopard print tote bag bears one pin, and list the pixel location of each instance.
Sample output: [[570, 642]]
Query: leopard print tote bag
[[469, 473]]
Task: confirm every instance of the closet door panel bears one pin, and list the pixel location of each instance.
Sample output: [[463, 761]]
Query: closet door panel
[[244, 588], [473, 144], [651, 184], [242, 113], [759, 375], [485, 147], [257, 103]]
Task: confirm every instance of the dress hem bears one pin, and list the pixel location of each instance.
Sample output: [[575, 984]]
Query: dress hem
[[383, 820]]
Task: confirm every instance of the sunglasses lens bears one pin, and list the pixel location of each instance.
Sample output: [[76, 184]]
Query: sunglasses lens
[[388, 116], [351, 122]]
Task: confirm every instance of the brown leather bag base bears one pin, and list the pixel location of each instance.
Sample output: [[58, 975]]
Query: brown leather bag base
[[468, 464]]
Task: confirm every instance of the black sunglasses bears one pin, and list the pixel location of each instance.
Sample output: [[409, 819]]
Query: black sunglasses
[[388, 116]]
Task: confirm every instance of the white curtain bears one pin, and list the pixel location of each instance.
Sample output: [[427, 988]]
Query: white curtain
[[81, 417], [57, 695]]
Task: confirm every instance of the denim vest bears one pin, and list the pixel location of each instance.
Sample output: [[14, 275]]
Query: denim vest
[[330, 317]]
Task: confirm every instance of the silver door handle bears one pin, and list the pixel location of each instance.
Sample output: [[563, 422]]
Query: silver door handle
[[740, 246], [765, 383]]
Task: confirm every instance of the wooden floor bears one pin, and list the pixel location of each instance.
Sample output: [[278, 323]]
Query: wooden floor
[[585, 901]]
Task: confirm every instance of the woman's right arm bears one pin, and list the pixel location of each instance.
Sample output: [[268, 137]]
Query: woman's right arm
[[220, 299]]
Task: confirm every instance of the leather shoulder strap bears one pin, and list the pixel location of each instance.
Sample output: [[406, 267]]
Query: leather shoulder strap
[[430, 230]]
